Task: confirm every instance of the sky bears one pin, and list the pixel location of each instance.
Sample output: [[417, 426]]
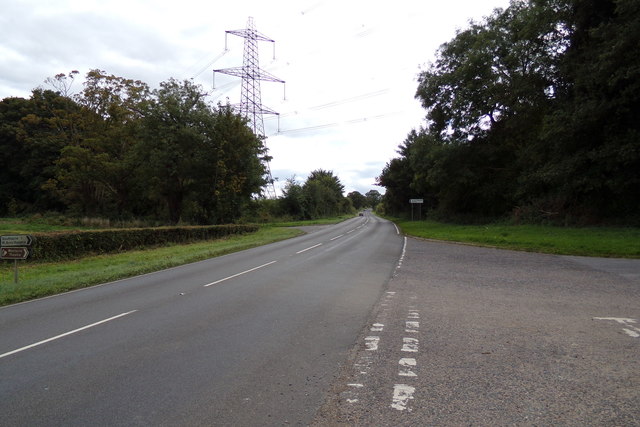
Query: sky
[[350, 66]]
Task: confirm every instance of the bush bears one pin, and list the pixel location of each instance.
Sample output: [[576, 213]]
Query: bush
[[75, 244]]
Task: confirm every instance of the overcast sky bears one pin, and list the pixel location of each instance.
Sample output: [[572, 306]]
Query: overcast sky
[[350, 66]]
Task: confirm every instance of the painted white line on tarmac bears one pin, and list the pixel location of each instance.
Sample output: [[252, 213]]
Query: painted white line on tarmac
[[402, 394], [630, 329], [410, 345], [65, 334], [337, 237], [372, 343], [407, 364], [377, 327], [309, 248], [239, 274]]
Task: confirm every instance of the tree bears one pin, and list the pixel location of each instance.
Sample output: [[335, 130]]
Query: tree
[[357, 199], [373, 198], [196, 160], [592, 139], [532, 110], [323, 195], [95, 174], [49, 122], [292, 201], [13, 184]]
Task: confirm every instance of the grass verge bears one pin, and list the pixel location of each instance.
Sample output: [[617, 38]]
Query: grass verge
[[616, 242], [321, 221], [43, 279]]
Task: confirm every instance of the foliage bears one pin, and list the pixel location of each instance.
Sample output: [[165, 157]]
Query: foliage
[[357, 200], [533, 108], [118, 149], [319, 197], [76, 244]]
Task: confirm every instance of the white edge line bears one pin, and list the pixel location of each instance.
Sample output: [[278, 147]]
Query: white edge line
[[239, 274], [66, 334], [309, 248], [337, 237]]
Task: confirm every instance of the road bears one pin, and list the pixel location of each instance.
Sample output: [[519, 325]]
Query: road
[[252, 338], [478, 336]]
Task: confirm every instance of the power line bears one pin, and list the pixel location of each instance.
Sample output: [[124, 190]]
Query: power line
[[213, 61], [335, 124]]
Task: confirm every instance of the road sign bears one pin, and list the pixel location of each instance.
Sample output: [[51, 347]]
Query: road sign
[[416, 201], [18, 240], [14, 253]]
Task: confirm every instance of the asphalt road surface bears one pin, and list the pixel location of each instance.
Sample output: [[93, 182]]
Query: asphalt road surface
[[485, 337], [253, 338]]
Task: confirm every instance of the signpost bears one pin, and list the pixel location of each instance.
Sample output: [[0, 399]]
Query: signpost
[[15, 248], [19, 240], [14, 253], [418, 202]]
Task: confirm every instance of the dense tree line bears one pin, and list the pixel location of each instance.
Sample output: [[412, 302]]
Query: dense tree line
[[120, 149], [532, 112]]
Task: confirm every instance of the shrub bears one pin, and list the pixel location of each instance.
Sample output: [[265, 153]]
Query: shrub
[[74, 244]]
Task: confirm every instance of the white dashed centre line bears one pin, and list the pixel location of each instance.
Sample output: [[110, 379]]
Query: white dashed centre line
[[309, 248], [65, 334], [239, 274]]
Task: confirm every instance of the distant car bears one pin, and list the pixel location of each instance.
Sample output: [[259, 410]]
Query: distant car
[[361, 214]]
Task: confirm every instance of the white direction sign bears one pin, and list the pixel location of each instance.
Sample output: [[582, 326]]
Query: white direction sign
[[416, 201], [18, 240]]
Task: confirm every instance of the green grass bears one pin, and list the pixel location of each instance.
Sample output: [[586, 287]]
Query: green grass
[[20, 226], [41, 279], [588, 241], [321, 221]]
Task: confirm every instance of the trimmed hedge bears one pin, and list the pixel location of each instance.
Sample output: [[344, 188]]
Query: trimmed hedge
[[75, 244]]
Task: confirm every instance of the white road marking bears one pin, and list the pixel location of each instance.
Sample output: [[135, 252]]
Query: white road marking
[[371, 343], [404, 251], [402, 394], [629, 329], [407, 364], [355, 385], [412, 326], [621, 320], [309, 248], [66, 334], [239, 274], [410, 345], [337, 237], [377, 327]]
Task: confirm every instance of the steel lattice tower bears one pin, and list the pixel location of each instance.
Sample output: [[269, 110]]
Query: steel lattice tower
[[250, 105]]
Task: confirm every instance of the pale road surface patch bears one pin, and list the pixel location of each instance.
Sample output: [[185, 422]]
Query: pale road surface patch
[[501, 338]]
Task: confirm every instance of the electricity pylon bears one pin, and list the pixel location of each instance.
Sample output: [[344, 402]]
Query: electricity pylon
[[250, 105]]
